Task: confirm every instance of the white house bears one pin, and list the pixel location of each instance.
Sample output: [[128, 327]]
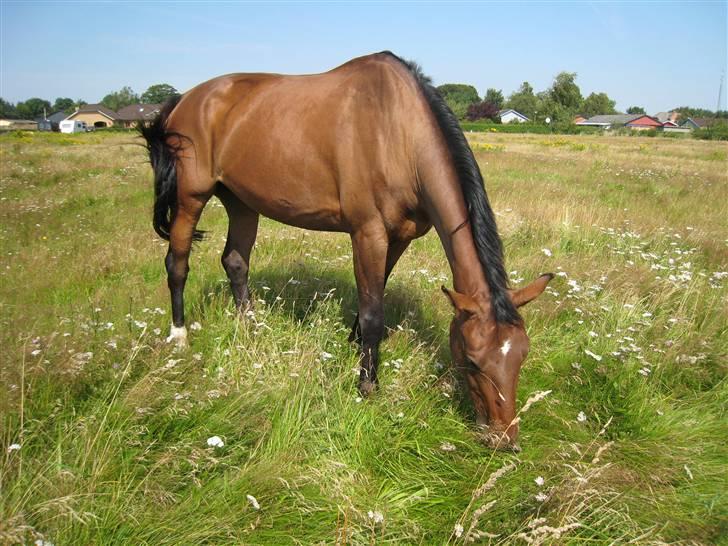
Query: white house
[[510, 116]]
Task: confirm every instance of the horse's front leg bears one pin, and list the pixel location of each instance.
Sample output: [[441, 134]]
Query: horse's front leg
[[370, 257], [180, 243], [394, 252]]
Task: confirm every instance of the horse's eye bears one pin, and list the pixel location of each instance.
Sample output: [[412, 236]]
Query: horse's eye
[[471, 366]]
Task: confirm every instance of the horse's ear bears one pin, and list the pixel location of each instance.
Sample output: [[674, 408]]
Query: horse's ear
[[461, 302], [529, 293]]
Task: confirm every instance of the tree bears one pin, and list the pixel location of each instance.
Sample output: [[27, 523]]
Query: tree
[[636, 110], [565, 92], [64, 105], [598, 103], [494, 96], [483, 110], [7, 109], [159, 93], [458, 97], [33, 108], [690, 112], [119, 99], [524, 101]]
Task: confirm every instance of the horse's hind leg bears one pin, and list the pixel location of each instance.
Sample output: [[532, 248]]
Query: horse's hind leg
[[242, 230], [181, 234], [394, 253]]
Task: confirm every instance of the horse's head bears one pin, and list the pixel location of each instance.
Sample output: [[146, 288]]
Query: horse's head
[[490, 355]]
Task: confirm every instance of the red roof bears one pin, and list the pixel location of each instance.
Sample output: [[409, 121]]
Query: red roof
[[644, 121]]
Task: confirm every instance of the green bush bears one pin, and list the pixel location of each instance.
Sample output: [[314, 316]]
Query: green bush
[[719, 131], [534, 128]]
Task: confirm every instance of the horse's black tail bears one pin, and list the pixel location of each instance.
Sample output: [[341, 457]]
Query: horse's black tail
[[163, 154]]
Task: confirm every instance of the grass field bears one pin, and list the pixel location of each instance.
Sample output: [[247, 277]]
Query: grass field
[[104, 429]]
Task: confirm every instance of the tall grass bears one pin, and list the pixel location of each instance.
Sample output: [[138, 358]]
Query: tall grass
[[104, 429]]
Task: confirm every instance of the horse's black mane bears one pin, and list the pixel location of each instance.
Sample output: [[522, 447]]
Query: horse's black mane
[[482, 219]]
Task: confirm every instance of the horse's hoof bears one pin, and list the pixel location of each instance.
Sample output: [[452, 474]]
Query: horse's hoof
[[367, 387], [178, 336]]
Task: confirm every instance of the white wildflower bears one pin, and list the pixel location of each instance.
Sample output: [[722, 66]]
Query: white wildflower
[[13, 447], [541, 497], [458, 530], [195, 326], [140, 324], [35, 352], [546, 251], [581, 417], [375, 516], [539, 481], [447, 446], [253, 501], [358, 399], [83, 358], [326, 356], [596, 357], [645, 371], [215, 441]]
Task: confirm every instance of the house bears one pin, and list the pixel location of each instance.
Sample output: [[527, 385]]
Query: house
[[633, 121], [130, 115], [643, 122], [608, 120], [51, 122], [662, 117], [511, 116], [18, 125], [698, 123], [672, 127], [578, 119], [95, 115]]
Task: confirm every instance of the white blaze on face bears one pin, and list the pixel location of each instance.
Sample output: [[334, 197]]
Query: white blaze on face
[[506, 347]]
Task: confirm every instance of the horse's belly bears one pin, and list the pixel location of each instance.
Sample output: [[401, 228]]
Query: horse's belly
[[300, 204]]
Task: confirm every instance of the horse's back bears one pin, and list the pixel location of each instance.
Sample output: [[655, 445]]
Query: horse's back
[[323, 151]]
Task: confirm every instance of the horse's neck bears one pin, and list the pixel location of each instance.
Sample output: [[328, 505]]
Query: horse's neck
[[450, 218], [467, 271]]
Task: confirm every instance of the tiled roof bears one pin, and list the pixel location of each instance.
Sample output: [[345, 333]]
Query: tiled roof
[[97, 108], [138, 111]]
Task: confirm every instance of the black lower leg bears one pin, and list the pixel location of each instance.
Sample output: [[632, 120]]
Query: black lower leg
[[372, 327], [237, 272], [176, 277]]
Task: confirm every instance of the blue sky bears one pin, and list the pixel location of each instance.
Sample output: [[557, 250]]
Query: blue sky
[[653, 54]]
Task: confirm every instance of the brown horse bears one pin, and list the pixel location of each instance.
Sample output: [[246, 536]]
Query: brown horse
[[370, 149]]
